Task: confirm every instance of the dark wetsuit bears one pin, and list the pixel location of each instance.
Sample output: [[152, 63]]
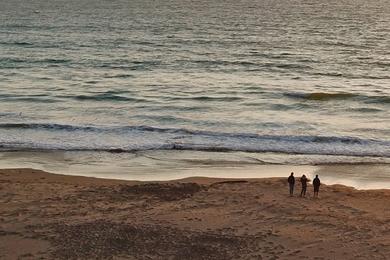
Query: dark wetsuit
[[316, 184], [304, 185], [291, 182]]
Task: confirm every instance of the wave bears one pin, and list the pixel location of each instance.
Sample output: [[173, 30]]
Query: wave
[[47, 60], [320, 95], [209, 98], [128, 64], [45, 126], [379, 100], [317, 139], [12, 63], [119, 76], [116, 139], [108, 96], [336, 74], [324, 96], [365, 110], [343, 44], [37, 98], [17, 44], [255, 65]]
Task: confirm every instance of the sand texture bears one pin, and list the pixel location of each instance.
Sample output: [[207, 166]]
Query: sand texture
[[47, 216]]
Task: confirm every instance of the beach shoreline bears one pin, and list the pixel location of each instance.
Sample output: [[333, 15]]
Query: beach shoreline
[[162, 165], [46, 215]]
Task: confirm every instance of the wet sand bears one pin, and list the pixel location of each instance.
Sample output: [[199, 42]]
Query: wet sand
[[52, 216], [172, 165]]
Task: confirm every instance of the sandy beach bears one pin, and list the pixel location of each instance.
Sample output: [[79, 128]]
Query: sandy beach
[[50, 216]]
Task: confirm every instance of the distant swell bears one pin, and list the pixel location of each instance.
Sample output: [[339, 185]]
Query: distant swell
[[44, 126], [322, 96], [103, 97], [17, 43]]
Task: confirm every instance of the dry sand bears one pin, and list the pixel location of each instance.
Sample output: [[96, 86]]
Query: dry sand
[[48, 216]]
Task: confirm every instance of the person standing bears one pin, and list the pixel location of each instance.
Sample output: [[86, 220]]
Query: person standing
[[304, 181], [291, 183], [316, 185]]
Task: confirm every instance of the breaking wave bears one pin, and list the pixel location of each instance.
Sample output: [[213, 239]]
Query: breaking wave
[[138, 138]]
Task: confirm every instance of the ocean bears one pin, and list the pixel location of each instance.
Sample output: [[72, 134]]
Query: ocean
[[250, 81]]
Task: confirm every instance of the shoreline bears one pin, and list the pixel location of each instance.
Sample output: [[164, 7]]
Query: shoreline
[[164, 166], [33, 175], [160, 166], [44, 215]]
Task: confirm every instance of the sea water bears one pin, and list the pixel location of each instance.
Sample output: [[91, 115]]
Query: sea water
[[276, 81]]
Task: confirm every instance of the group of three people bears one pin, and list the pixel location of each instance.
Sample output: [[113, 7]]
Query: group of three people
[[304, 181]]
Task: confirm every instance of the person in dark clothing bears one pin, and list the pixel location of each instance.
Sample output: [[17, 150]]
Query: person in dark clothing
[[291, 182], [304, 181], [316, 185]]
